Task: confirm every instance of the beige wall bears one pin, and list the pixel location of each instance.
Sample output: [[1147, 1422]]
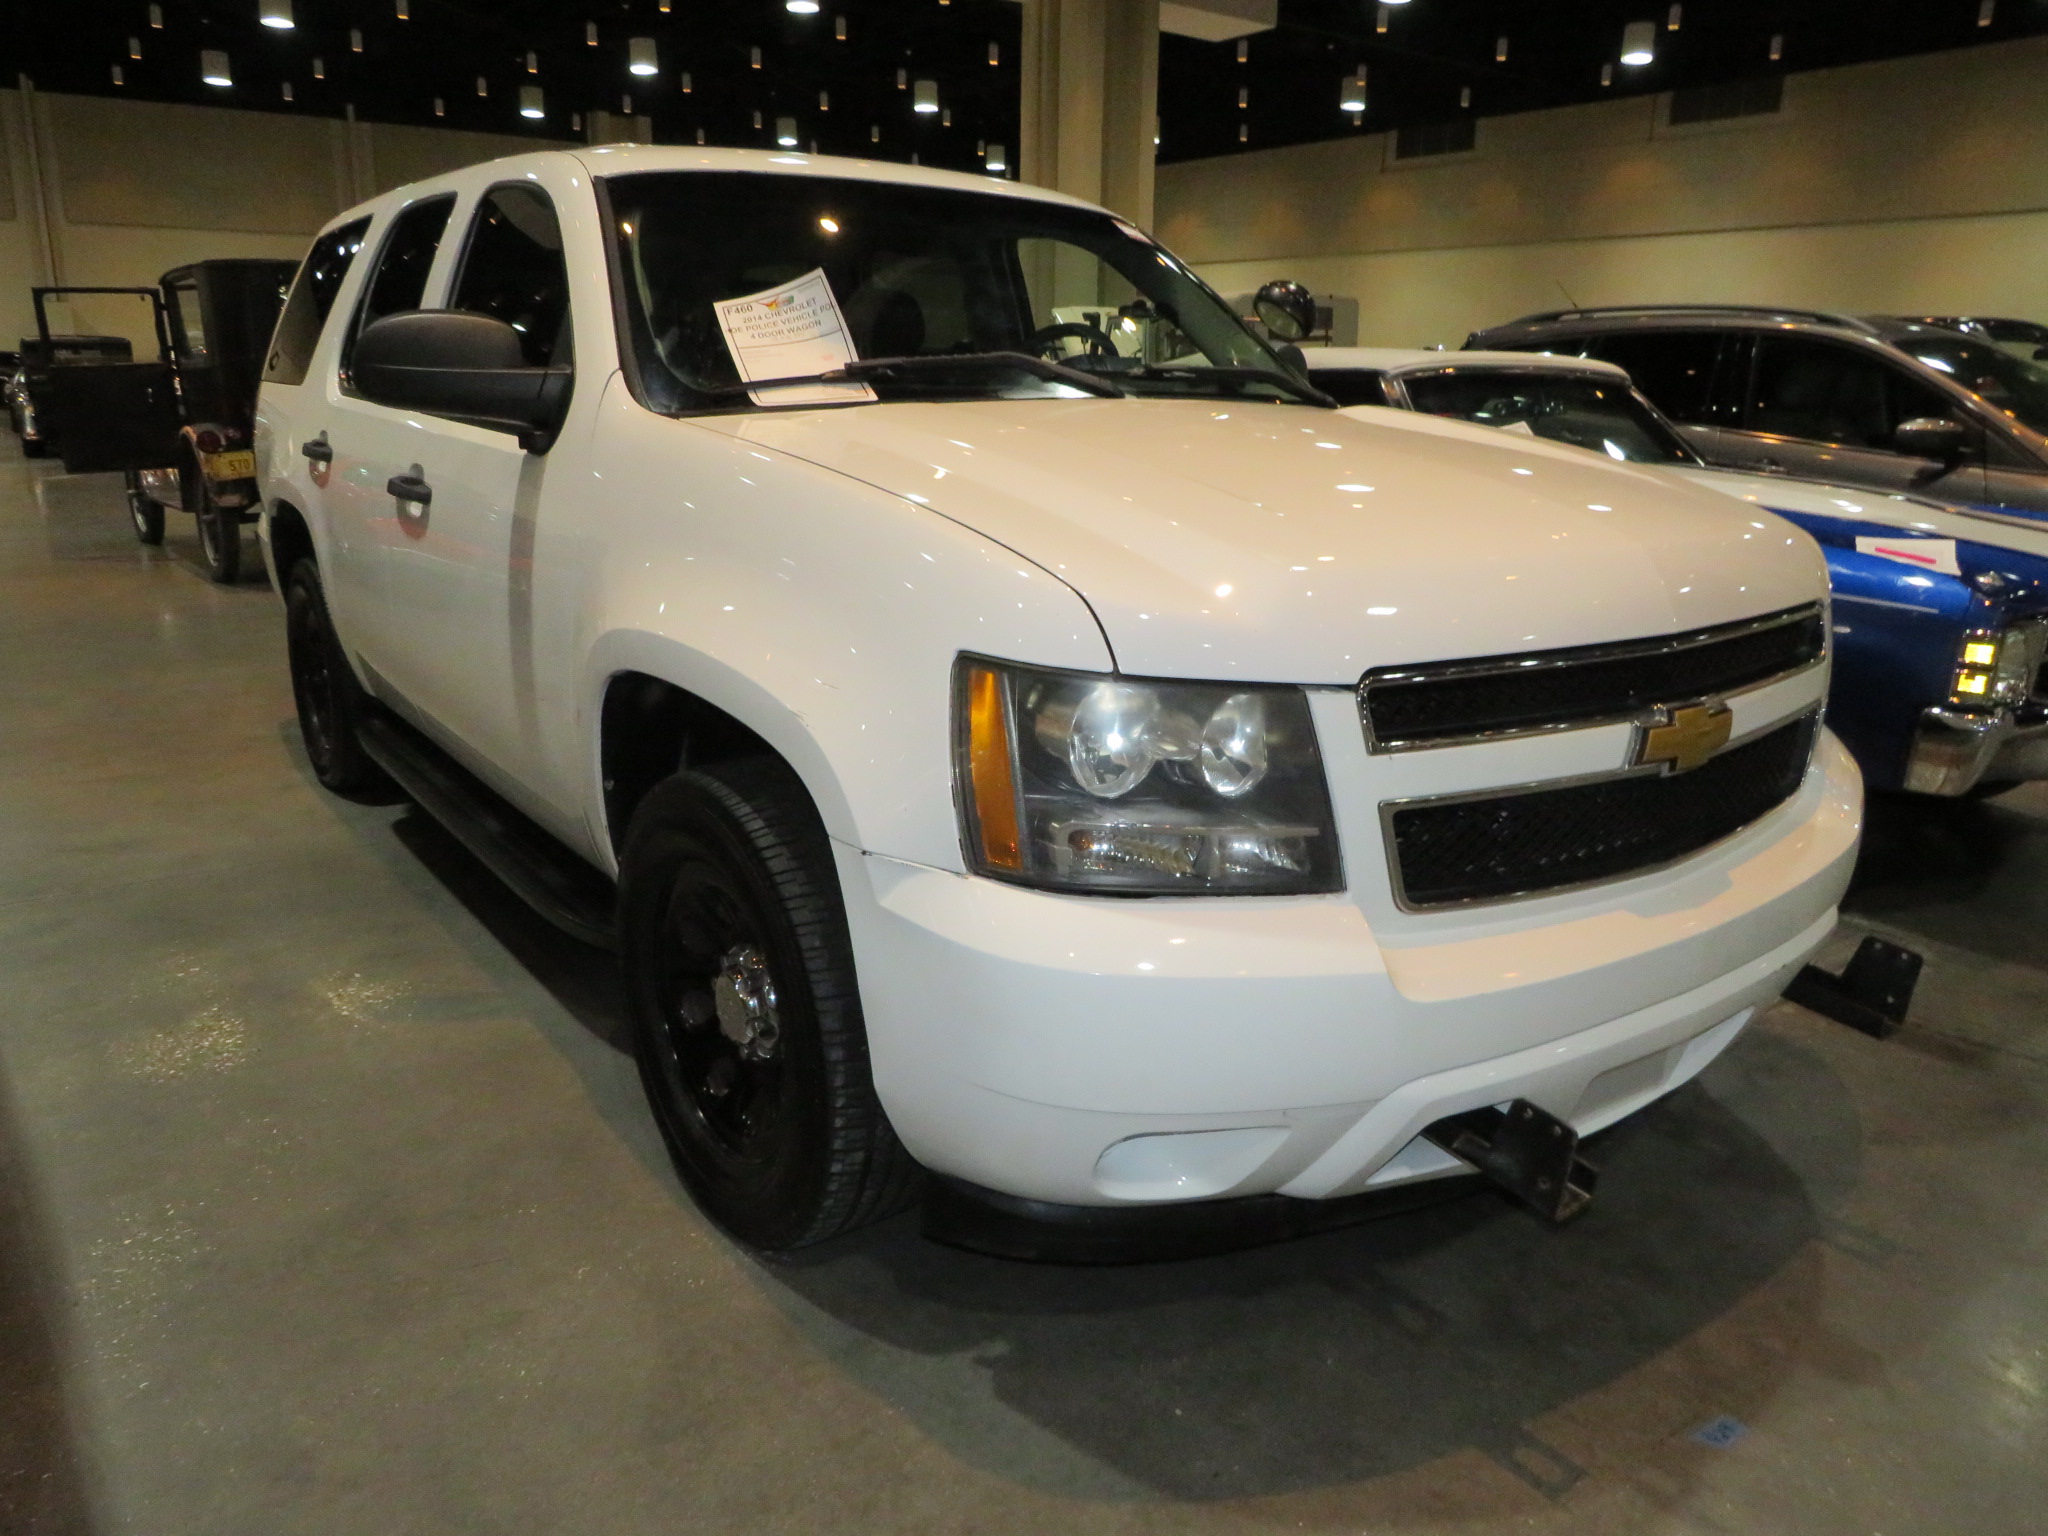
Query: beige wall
[[127, 190], [1915, 184]]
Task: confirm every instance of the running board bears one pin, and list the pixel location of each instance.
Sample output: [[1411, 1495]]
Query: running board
[[541, 872]]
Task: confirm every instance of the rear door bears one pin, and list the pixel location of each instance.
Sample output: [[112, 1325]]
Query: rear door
[[1828, 409], [291, 414]]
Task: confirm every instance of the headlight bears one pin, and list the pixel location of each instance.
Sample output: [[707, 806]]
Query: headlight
[[1080, 782], [1999, 667]]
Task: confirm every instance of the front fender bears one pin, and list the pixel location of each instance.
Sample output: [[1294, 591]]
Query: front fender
[[1898, 633], [822, 613]]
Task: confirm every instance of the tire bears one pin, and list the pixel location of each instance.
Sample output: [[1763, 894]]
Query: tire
[[145, 514], [220, 539], [746, 1018], [331, 702]]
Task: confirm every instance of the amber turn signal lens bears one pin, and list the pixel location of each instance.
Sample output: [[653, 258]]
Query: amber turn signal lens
[[989, 760]]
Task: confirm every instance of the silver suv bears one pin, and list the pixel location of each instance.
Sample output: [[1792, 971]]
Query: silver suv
[[1901, 405]]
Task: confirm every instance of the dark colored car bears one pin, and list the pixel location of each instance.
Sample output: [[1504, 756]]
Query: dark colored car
[[2022, 338], [29, 378], [1895, 405], [1940, 615], [180, 428]]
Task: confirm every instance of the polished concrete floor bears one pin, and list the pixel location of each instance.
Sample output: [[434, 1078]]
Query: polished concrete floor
[[328, 1204]]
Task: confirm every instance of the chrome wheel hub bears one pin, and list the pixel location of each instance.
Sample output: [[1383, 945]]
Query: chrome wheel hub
[[743, 992]]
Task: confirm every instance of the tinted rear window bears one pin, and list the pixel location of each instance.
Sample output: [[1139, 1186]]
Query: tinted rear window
[[305, 313], [1676, 369]]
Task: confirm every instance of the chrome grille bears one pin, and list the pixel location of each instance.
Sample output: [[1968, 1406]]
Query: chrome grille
[[1447, 703]]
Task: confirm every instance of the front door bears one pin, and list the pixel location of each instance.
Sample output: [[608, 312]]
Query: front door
[[1826, 410], [361, 447], [460, 565]]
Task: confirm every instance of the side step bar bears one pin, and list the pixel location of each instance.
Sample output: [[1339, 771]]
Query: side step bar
[[541, 872]]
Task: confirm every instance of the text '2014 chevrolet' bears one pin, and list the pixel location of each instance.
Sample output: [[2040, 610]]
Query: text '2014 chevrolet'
[[1012, 726]]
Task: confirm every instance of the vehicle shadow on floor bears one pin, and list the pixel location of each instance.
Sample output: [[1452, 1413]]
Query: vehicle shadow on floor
[[1353, 1355], [1362, 1353], [42, 1482], [1964, 872], [85, 517]]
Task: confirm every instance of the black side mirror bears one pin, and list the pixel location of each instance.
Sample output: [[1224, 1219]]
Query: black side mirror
[[469, 367], [1932, 437], [1287, 310]]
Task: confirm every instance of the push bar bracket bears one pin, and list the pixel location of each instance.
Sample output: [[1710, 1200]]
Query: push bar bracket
[[1872, 993], [1525, 1150]]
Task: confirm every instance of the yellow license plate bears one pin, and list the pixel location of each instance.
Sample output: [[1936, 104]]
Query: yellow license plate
[[240, 465]]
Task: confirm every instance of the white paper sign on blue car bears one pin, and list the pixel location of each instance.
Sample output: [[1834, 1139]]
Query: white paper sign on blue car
[[1937, 555], [787, 332]]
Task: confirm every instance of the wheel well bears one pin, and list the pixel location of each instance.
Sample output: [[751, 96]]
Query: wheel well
[[651, 729], [290, 540]]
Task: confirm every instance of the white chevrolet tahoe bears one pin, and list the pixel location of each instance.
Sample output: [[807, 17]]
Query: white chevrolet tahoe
[[1008, 723]]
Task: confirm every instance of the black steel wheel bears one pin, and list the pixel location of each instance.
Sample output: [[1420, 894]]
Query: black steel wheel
[[145, 514], [331, 702], [220, 538], [746, 1016]]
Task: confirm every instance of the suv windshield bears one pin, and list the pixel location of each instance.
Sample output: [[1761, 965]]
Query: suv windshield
[[2017, 386], [1565, 408], [915, 272]]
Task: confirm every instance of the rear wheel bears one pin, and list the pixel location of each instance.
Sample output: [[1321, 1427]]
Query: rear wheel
[[746, 1016], [220, 538], [145, 514], [331, 702]]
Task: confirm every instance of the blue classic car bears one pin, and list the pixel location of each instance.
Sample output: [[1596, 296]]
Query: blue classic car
[[1940, 612]]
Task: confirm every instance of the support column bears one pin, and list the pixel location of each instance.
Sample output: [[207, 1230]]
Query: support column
[[1091, 101]]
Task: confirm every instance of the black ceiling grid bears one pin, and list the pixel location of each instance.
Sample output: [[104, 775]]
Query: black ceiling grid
[[1435, 60], [1433, 52], [442, 48]]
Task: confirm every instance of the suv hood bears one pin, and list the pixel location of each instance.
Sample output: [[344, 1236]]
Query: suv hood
[[1280, 543]]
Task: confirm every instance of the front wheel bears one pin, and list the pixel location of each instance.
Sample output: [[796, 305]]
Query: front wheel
[[146, 515], [746, 1016], [220, 538]]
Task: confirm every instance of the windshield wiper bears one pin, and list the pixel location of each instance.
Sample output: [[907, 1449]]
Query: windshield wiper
[[1296, 387], [863, 369]]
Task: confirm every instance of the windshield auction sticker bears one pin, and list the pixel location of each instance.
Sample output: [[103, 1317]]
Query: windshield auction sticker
[[791, 332]]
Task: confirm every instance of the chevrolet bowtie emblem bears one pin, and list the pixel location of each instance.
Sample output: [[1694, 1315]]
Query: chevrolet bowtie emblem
[[1684, 738]]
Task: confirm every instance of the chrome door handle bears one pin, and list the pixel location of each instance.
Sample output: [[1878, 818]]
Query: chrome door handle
[[413, 488], [317, 449]]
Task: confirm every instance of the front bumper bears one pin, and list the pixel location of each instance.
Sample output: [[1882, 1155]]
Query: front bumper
[[1954, 750], [1084, 1051]]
